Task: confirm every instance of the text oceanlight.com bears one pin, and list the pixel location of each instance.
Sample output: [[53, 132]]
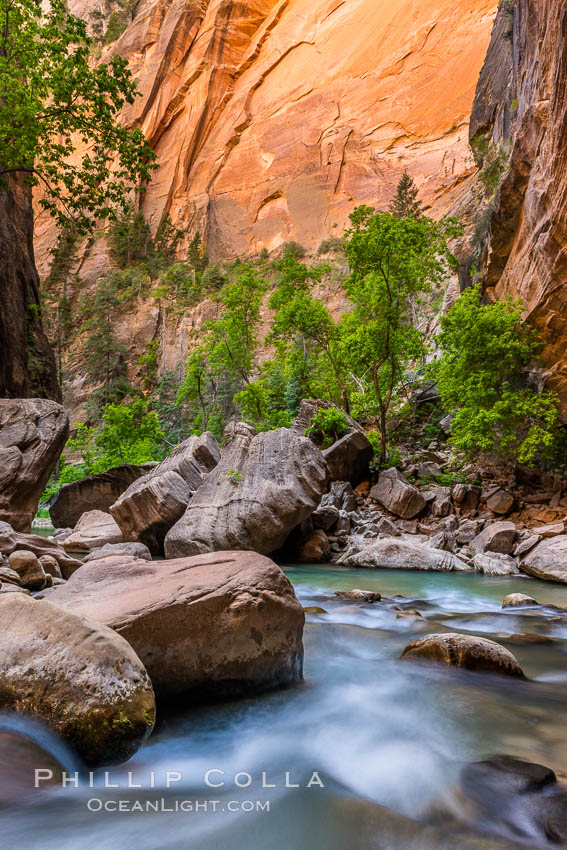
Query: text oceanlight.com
[[95, 804]]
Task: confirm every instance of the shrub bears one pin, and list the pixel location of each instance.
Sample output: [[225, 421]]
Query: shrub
[[334, 243], [294, 249], [328, 424]]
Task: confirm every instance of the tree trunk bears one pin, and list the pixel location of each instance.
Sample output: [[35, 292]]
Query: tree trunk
[[27, 363]]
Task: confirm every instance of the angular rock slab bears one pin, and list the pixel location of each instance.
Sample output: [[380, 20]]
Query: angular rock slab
[[82, 678], [396, 554], [394, 492], [32, 435], [548, 560], [153, 503], [467, 651], [95, 492], [94, 530], [263, 487], [223, 623], [495, 537]]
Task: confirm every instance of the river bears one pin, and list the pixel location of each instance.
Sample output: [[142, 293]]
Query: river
[[365, 728]]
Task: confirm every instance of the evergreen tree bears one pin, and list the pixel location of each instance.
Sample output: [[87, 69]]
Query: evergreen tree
[[405, 204]]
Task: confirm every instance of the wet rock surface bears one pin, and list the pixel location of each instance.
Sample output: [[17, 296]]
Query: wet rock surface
[[468, 651]]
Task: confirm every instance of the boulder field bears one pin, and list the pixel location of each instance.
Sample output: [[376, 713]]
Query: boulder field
[[213, 624]]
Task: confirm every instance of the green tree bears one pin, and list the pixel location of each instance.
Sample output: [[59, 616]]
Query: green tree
[[53, 99], [130, 239], [299, 313], [393, 261], [405, 204], [482, 377]]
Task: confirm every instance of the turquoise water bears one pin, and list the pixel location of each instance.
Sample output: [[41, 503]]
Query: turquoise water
[[377, 730]]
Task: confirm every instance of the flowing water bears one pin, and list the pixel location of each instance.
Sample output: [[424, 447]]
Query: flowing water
[[368, 727]]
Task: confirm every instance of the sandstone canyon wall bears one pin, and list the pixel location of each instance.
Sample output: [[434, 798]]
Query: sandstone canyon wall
[[273, 118], [521, 106]]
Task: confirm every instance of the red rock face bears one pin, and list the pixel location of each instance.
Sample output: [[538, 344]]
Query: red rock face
[[273, 118], [526, 254]]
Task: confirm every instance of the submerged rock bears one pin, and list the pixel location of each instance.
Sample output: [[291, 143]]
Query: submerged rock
[[394, 492], [548, 560], [152, 504], [263, 487], [220, 623], [94, 529], [32, 435], [467, 651], [359, 595], [393, 553], [518, 600], [81, 677]]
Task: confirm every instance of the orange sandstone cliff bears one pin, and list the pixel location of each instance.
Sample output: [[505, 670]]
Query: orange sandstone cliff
[[272, 118]]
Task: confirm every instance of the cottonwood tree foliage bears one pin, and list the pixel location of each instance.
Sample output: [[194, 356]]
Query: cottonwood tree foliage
[[483, 380], [54, 102]]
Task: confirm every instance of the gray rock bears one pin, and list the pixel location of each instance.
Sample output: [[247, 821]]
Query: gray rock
[[467, 497], [263, 487], [495, 537], [548, 560], [343, 524], [500, 502], [387, 527], [50, 566], [94, 529], [468, 530], [348, 458], [495, 564], [340, 496], [95, 492], [439, 501], [32, 435], [109, 550], [156, 501], [397, 495], [428, 469], [526, 545], [325, 517], [402, 554]]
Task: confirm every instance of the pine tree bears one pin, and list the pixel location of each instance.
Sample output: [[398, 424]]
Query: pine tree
[[404, 203]]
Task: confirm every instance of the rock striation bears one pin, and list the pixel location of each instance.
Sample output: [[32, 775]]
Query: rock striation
[[264, 486]]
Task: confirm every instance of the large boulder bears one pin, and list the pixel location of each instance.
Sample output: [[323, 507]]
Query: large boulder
[[349, 456], [495, 564], [78, 675], [394, 492], [496, 537], [220, 623], [96, 492], [263, 487], [468, 651], [396, 554], [548, 560], [32, 435], [11, 540], [94, 529], [152, 504]]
